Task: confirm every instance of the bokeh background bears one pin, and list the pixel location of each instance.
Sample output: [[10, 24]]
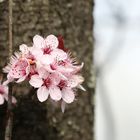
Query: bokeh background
[[117, 59]]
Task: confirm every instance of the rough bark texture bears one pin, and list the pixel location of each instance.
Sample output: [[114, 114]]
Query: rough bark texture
[[73, 20]]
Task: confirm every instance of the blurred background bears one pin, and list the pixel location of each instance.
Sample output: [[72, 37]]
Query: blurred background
[[73, 20], [117, 61]]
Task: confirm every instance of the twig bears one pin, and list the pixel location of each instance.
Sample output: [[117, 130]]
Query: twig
[[10, 28], [8, 129]]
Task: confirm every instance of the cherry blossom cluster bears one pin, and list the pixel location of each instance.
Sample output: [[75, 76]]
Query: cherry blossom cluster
[[48, 67]]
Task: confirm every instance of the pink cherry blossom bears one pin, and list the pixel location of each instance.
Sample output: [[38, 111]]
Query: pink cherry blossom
[[67, 87], [47, 85], [46, 51], [49, 67], [18, 68], [51, 41]]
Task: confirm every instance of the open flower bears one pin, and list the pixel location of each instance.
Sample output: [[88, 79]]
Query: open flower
[[46, 50], [18, 68], [47, 85], [67, 87]]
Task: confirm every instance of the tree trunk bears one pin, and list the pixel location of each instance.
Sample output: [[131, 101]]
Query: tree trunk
[[73, 20]]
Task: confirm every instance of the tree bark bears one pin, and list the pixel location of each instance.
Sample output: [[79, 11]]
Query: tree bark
[[73, 20]]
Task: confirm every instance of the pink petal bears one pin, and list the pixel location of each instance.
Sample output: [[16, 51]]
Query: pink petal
[[49, 69], [21, 79], [38, 41], [14, 101], [43, 73], [77, 68], [42, 94], [75, 80], [37, 52], [24, 48], [9, 79], [47, 59], [1, 99], [55, 93], [36, 81], [5, 89], [68, 95], [59, 54], [52, 41], [64, 69], [55, 78], [62, 76]]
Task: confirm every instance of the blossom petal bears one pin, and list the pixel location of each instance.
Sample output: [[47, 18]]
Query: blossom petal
[[36, 81], [63, 69], [55, 93], [38, 41], [47, 59], [55, 78], [59, 54], [42, 94], [21, 79], [14, 101], [5, 89], [24, 48], [77, 68], [37, 52], [75, 80], [43, 73], [68, 95], [1, 99], [9, 79], [52, 41]]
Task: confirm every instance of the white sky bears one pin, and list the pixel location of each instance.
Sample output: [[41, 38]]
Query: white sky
[[118, 86]]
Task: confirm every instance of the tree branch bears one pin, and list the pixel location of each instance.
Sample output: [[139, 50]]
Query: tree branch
[[8, 129]]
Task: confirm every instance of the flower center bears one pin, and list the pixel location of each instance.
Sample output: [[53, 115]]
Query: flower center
[[62, 84], [1, 90], [61, 63], [47, 50], [47, 82], [53, 66]]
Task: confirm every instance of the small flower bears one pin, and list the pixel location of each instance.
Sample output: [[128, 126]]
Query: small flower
[[47, 85], [18, 68], [46, 50], [67, 87]]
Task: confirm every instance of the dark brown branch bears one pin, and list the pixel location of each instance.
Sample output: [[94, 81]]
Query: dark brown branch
[[10, 28], [8, 129]]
